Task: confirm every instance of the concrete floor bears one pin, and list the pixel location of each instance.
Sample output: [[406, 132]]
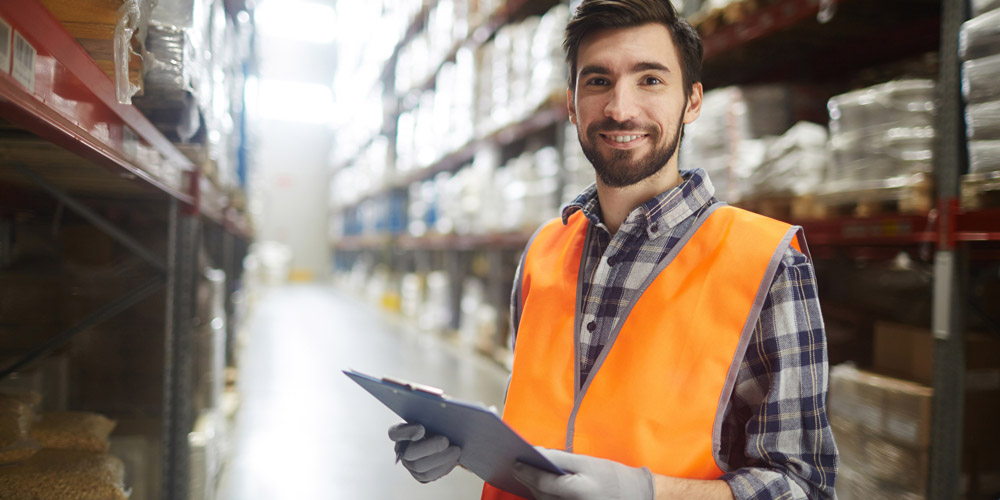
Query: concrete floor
[[307, 432]]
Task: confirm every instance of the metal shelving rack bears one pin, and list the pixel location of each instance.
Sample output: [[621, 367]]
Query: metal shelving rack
[[949, 231], [865, 34], [85, 144]]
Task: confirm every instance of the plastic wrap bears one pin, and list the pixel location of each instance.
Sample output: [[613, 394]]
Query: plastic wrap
[[133, 20], [982, 121], [880, 133], [795, 163], [984, 156], [981, 80], [982, 6], [980, 36], [727, 139]]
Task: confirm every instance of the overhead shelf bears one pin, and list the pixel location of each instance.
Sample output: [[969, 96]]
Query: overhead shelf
[[788, 40], [54, 89]]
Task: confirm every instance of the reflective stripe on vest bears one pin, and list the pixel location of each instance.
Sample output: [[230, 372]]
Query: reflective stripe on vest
[[656, 394]]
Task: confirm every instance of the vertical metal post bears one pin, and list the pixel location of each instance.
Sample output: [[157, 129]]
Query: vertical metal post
[[951, 161], [178, 374]]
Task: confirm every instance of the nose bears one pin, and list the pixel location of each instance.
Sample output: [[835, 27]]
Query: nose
[[621, 104]]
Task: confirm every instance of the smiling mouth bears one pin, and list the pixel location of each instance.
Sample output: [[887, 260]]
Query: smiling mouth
[[623, 140]]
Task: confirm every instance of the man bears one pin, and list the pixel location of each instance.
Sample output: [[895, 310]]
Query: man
[[667, 346]]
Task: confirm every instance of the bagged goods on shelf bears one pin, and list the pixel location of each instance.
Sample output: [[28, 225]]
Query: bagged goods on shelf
[[980, 36], [61, 474], [794, 163], [69, 430], [548, 76], [984, 156], [17, 411], [879, 133], [982, 121], [981, 79]]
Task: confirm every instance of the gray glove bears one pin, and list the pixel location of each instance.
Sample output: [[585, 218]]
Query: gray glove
[[588, 478], [428, 457]]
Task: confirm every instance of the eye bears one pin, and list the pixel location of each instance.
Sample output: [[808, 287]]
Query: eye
[[597, 81], [651, 80]]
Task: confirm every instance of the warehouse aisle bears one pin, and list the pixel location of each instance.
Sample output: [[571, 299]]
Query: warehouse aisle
[[306, 432]]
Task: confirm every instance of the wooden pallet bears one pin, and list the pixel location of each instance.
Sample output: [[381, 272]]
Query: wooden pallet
[[782, 207], [981, 190], [870, 200]]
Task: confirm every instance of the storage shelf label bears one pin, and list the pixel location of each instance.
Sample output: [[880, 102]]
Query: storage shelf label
[[5, 33], [23, 67]]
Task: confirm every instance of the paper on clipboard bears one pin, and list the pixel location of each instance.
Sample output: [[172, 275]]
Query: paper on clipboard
[[489, 446]]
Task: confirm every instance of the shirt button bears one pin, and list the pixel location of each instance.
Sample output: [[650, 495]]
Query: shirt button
[[591, 326], [612, 261], [655, 228]]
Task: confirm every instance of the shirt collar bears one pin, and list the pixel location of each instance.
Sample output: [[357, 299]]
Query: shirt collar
[[667, 209]]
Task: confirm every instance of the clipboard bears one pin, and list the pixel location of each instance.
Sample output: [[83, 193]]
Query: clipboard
[[489, 446]]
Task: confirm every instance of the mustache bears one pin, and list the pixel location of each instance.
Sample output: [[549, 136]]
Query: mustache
[[609, 125]]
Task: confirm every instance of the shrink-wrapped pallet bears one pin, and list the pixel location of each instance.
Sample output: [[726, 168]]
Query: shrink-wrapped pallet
[[112, 32], [980, 36], [880, 133], [727, 139], [794, 163]]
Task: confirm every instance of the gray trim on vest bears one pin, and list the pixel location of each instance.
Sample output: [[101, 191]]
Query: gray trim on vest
[[667, 259], [571, 424], [745, 336]]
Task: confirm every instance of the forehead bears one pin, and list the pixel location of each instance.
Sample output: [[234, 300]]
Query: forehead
[[622, 47]]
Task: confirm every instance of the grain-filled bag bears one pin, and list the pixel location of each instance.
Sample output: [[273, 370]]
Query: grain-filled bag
[[64, 475], [16, 414], [73, 430]]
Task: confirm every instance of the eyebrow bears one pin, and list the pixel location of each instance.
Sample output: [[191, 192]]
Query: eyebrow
[[593, 69]]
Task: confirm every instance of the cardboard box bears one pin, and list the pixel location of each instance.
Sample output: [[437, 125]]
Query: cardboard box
[[908, 352], [886, 407]]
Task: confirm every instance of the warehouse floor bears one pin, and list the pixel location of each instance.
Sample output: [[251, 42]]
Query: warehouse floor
[[305, 431]]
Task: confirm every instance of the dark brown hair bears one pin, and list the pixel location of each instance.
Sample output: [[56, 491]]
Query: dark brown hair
[[593, 15]]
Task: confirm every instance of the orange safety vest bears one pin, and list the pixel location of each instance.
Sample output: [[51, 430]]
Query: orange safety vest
[[656, 394]]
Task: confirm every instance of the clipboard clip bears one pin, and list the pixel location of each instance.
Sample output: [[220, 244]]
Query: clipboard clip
[[434, 391]]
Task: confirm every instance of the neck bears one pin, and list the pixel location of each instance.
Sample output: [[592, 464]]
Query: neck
[[618, 202]]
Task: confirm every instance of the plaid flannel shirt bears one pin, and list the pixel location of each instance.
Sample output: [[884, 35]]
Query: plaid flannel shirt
[[776, 442]]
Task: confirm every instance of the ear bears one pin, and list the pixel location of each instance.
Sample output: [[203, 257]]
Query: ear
[[694, 103], [571, 105]]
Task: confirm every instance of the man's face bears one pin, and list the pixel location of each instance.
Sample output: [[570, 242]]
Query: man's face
[[629, 102]]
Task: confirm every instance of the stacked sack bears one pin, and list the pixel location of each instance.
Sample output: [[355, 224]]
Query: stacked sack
[[58, 455], [979, 47]]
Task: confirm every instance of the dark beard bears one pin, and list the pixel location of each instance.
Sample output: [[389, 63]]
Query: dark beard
[[622, 169]]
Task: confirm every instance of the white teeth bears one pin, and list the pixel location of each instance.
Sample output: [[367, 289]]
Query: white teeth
[[624, 138]]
